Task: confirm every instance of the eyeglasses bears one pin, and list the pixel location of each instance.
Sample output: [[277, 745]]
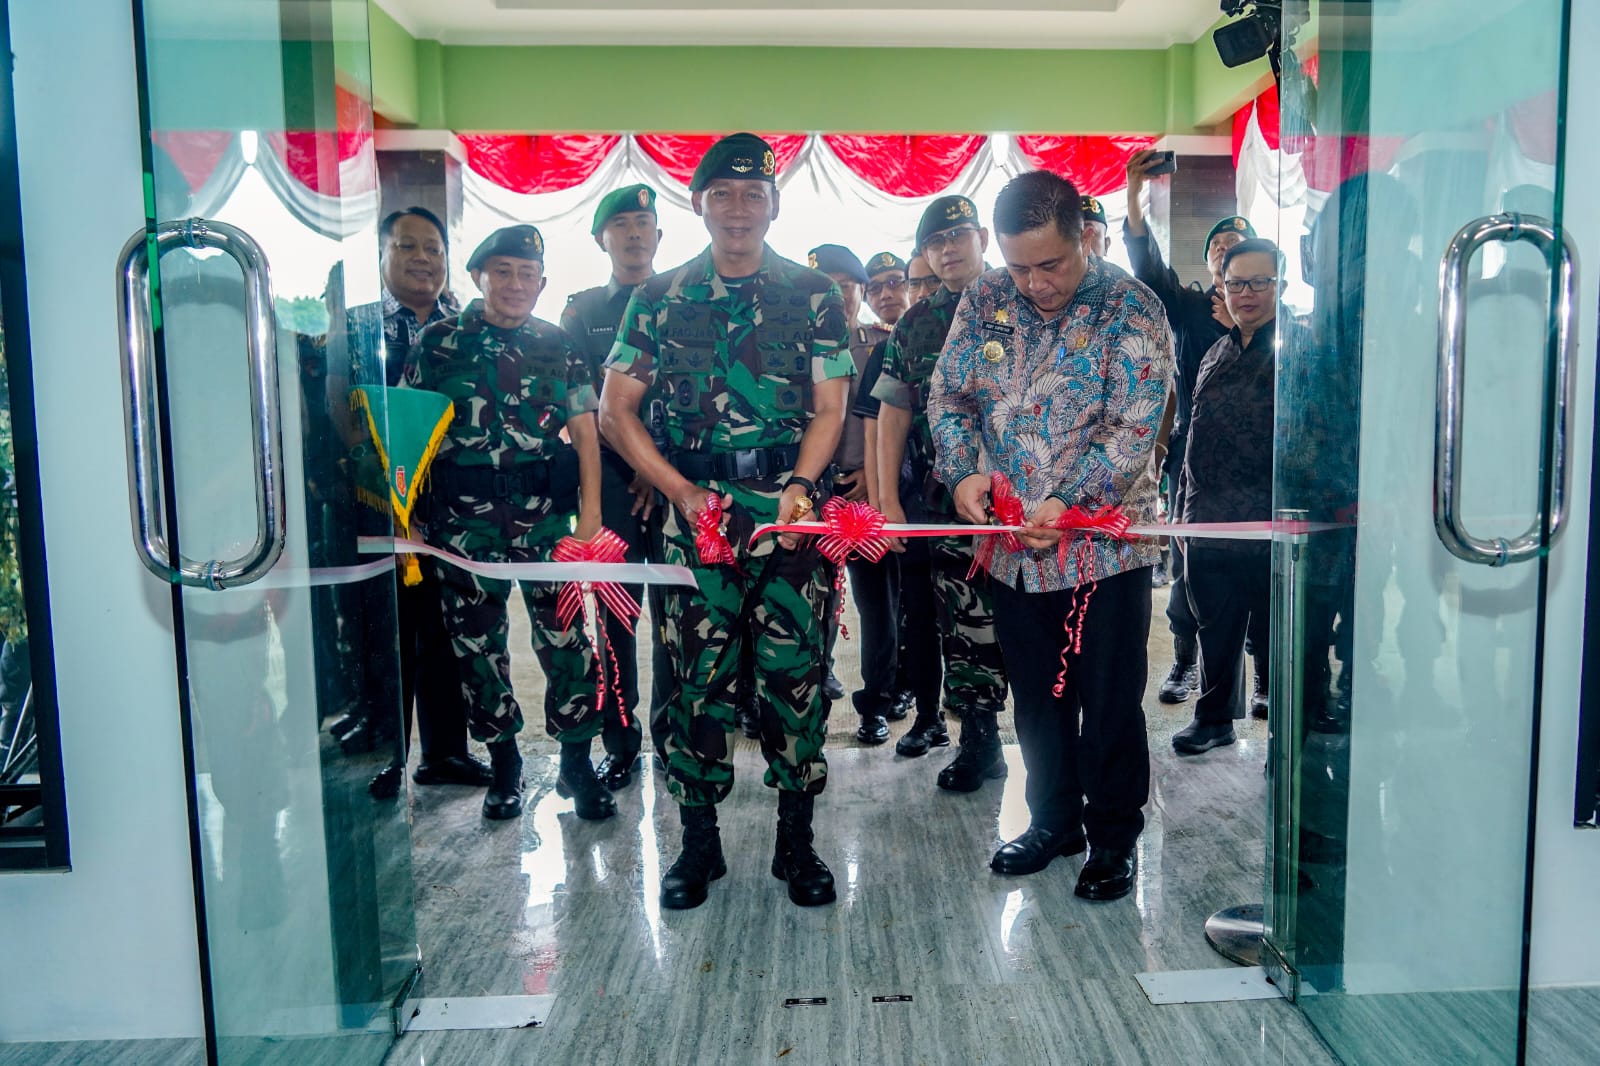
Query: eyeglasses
[[876, 288], [938, 241], [1253, 284], [921, 284]]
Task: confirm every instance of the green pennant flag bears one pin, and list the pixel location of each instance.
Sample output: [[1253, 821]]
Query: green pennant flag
[[407, 439]]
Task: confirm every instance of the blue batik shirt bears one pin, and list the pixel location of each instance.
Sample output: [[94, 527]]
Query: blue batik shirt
[[1068, 406]]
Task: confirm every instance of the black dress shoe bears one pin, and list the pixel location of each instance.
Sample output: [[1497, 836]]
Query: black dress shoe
[[453, 770], [1033, 850], [1107, 874], [342, 725], [1196, 737], [386, 785], [360, 738], [873, 729], [616, 771], [832, 687], [924, 733]]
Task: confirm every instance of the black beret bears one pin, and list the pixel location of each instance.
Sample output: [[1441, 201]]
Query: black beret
[[947, 212], [885, 261], [740, 156], [627, 198], [518, 242], [837, 259], [1093, 210]]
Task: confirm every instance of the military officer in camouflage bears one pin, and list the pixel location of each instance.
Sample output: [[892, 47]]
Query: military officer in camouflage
[[952, 240], [505, 488], [1096, 237], [747, 351], [625, 229]]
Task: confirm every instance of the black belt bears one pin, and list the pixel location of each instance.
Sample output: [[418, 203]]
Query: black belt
[[735, 466], [555, 476]]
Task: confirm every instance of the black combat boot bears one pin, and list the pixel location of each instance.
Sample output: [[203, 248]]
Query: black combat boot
[[685, 882], [980, 757], [1184, 675], [925, 733], [1258, 694], [504, 798], [793, 859], [577, 782]]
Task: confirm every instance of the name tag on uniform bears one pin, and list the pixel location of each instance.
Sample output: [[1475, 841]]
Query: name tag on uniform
[[998, 327]]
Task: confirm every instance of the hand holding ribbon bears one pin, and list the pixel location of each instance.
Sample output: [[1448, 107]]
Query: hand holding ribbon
[[1005, 509]]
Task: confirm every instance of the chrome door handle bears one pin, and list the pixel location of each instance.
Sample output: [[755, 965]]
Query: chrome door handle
[[139, 393], [1559, 397]]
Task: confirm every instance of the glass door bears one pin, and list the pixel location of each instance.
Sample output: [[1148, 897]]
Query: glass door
[[1423, 420], [249, 475]]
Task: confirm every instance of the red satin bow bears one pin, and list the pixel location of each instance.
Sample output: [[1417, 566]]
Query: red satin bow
[[853, 526], [604, 547], [709, 539], [1006, 506], [1109, 521]]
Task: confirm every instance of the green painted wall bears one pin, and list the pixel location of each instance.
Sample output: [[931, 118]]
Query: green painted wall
[[530, 88]]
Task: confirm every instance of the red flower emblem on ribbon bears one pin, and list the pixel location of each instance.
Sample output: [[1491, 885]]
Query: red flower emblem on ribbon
[[853, 527], [709, 539]]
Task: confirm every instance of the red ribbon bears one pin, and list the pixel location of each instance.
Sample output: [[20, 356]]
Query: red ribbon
[[604, 547], [709, 539], [1108, 521], [1006, 506], [853, 527]]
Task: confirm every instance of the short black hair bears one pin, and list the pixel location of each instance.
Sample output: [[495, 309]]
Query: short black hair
[[1036, 199], [1254, 246], [386, 227]]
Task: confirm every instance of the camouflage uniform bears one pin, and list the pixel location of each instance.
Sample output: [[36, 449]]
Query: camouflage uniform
[[503, 489], [974, 676], [735, 366]]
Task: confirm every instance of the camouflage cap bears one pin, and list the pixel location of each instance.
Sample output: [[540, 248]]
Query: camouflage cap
[[1093, 210], [739, 156], [947, 212], [618, 201], [1232, 224], [518, 242], [884, 262], [837, 259]]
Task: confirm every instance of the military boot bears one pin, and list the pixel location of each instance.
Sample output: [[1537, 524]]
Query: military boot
[[577, 782], [1184, 675], [504, 798], [793, 859], [925, 732], [980, 757], [684, 884]]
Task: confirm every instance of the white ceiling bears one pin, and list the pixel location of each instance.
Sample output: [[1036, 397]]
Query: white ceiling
[[888, 23]]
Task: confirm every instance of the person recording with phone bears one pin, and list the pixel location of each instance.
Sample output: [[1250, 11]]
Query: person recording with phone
[[1198, 319]]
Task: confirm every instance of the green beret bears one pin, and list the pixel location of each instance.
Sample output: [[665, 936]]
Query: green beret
[[518, 242], [837, 259], [884, 262], [1093, 210], [740, 156], [1232, 224], [627, 198], [947, 212]]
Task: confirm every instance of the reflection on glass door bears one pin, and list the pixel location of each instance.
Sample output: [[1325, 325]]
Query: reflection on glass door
[[1421, 416], [245, 461]]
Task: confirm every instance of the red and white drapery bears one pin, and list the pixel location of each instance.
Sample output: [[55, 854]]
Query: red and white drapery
[[909, 166]]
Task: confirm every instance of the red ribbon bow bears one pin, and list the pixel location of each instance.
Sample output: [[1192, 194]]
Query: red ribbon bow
[[853, 526], [1006, 507], [1109, 521], [709, 539], [604, 547]]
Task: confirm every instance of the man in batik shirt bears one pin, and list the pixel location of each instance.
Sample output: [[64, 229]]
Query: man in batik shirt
[[1055, 374]]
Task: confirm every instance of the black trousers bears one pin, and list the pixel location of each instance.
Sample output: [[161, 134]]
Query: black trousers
[[428, 678], [1180, 619], [1086, 753], [620, 731], [876, 589], [920, 648], [1230, 593]]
